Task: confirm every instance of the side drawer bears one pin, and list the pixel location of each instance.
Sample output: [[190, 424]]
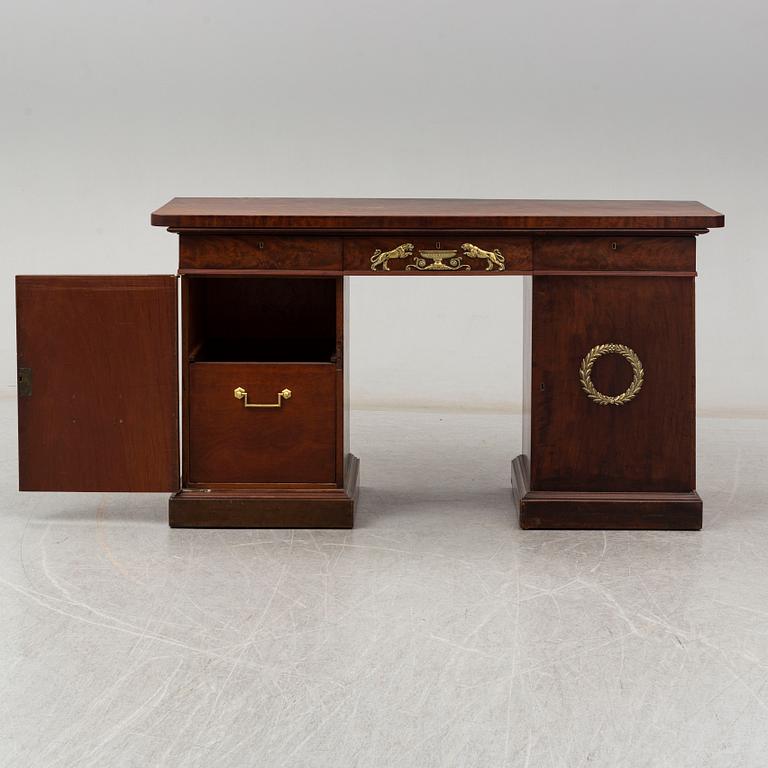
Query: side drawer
[[254, 251], [443, 252], [654, 254], [232, 443]]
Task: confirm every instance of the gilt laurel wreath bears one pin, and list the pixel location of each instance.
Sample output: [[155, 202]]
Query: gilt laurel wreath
[[585, 374]]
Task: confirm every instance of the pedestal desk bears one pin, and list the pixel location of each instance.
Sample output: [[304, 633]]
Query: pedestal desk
[[609, 372]]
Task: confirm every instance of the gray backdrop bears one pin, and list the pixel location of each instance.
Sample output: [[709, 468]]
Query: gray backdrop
[[109, 109]]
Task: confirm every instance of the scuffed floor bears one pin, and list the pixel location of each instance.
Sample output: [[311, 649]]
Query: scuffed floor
[[434, 634]]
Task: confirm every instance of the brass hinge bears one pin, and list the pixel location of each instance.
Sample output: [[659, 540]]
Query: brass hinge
[[337, 358], [24, 379]]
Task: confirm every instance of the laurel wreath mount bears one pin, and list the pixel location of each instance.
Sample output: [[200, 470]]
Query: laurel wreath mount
[[585, 374]]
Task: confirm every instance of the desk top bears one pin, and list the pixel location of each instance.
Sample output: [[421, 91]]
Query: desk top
[[327, 213]]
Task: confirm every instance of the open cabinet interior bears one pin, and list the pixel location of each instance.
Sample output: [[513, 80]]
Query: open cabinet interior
[[261, 319], [263, 380]]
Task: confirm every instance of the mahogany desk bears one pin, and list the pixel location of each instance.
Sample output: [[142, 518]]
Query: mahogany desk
[[609, 372]]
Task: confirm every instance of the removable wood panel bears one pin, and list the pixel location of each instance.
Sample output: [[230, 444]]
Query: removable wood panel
[[101, 412], [646, 445], [229, 443]]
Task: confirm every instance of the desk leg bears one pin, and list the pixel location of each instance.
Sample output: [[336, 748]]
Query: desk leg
[[629, 465], [213, 502]]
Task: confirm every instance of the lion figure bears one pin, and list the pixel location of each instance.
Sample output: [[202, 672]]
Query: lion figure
[[380, 258], [494, 257]]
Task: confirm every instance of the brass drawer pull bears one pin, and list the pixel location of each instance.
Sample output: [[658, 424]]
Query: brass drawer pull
[[241, 394], [585, 374]]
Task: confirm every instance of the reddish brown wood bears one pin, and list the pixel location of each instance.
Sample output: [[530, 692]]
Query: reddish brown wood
[[259, 273], [229, 443], [405, 214], [191, 334], [269, 507], [618, 511], [102, 414], [359, 250], [659, 254], [257, 251], [263, 293], [267, 320], [526, 363], [345, 443], [639, 511], [612, 273], [342, 414], [646, 445]]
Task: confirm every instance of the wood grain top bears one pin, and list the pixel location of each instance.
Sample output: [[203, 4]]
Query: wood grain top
[[327, 213]]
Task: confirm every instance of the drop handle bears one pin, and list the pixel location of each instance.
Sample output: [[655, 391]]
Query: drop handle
[[241, 394]]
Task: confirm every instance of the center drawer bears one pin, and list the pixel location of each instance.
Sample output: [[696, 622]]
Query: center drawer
[[292, 440], [461, 253]]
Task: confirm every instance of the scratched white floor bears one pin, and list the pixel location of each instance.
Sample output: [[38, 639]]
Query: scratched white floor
[[435, 634]]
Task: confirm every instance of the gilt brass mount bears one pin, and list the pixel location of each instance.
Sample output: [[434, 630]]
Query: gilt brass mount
[[494, 257], [241, 394], [380, 258], [438, 259], [585, 374]]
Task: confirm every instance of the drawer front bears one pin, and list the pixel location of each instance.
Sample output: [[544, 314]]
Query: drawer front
[[413, 253], [662, 254], [231, 442], [249, 251]]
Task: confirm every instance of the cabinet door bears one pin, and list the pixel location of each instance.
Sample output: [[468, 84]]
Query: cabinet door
[[644, 445], [98, 383]]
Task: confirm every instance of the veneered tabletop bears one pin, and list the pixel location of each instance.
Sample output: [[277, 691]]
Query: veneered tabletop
[[405, 213]]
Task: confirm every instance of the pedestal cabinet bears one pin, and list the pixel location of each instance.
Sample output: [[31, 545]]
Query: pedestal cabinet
[[257, 433]]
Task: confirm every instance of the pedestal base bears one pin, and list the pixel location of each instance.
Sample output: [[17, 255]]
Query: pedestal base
[[268, 508], [602, 511]]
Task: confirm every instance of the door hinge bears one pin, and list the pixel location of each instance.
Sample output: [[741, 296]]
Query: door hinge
[[338, 356], [24, 379]]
